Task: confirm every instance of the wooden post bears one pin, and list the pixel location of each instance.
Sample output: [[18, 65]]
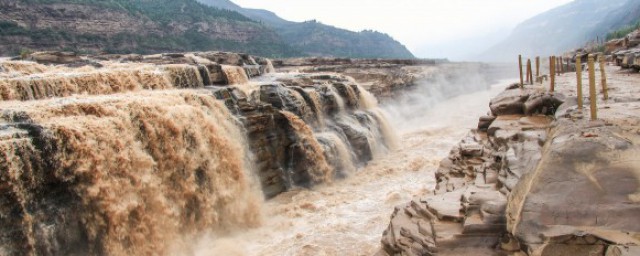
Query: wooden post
[[579, 79], [592, 88], [603, 75], [537, 66], [529, 72], [552, 71], [520, 67]]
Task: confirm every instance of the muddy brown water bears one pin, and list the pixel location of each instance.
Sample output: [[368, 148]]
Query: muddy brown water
[[347, 217]]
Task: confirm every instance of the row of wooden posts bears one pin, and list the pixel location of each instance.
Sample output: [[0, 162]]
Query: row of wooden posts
[[557, 66]]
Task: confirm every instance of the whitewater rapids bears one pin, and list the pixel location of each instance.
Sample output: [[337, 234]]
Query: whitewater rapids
[[347, 217]]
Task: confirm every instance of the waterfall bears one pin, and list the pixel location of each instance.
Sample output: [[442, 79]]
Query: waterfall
[[318, 167], [335, 96], [139, 158], [63, 83], [234, 74], [315, 102], [123, 175], [22, 67], [338, 153]]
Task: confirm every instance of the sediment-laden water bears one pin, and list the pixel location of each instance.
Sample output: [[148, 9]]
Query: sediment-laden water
[[347, 217], [161, 158], [135, 158]]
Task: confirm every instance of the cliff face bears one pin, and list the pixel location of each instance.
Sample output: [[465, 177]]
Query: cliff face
[[131, 26], [317, 39]]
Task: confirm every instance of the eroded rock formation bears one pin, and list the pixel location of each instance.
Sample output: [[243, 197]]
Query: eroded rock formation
[[465, 215], [528, 182]]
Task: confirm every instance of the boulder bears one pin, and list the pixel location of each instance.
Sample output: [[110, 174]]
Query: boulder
[[510, 102], [485, 122], [543, 103]]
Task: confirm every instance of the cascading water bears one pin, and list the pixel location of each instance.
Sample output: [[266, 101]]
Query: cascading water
[[348, 217], [122, 175], [62, 83], [320, 170], [234, 75], [122, 170]]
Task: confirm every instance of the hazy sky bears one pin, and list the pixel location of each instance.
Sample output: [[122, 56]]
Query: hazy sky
[[429, 28]]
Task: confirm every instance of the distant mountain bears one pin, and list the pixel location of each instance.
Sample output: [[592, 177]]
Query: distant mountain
[[567, 27], [139, 26], [317, 39]]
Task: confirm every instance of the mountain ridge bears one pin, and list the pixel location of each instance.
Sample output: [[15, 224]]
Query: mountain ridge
[[565, 28], [136, 26], [319, 39], [157, 26]]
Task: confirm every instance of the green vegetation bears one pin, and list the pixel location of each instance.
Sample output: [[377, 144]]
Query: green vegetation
[[166, 14], [620, 33], [319, 39], [186, 25], [162, 11], [315, 38], [136, 43]]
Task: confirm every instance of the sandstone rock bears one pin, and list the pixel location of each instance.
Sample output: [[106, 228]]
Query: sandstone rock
[[54, 57], [601, 188], [621, 250], [282, 153], [542, 103], [510, 102], [485, 122]]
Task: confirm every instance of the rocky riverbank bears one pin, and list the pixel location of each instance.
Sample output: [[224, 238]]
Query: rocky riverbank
[[536, 178]]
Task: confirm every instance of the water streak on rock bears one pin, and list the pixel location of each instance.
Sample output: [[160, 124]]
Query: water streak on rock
[[320, 170], [234, 74], [337, 152]]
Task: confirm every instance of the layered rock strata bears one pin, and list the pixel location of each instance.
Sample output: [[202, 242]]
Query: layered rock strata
[[528, 182]]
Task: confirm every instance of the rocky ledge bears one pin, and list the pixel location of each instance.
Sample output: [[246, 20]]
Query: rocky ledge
[[536, 178], [389, 78]]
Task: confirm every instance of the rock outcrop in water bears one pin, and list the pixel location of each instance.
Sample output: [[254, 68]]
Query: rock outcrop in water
[[131, 154], [535, 178], [283, 115]]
